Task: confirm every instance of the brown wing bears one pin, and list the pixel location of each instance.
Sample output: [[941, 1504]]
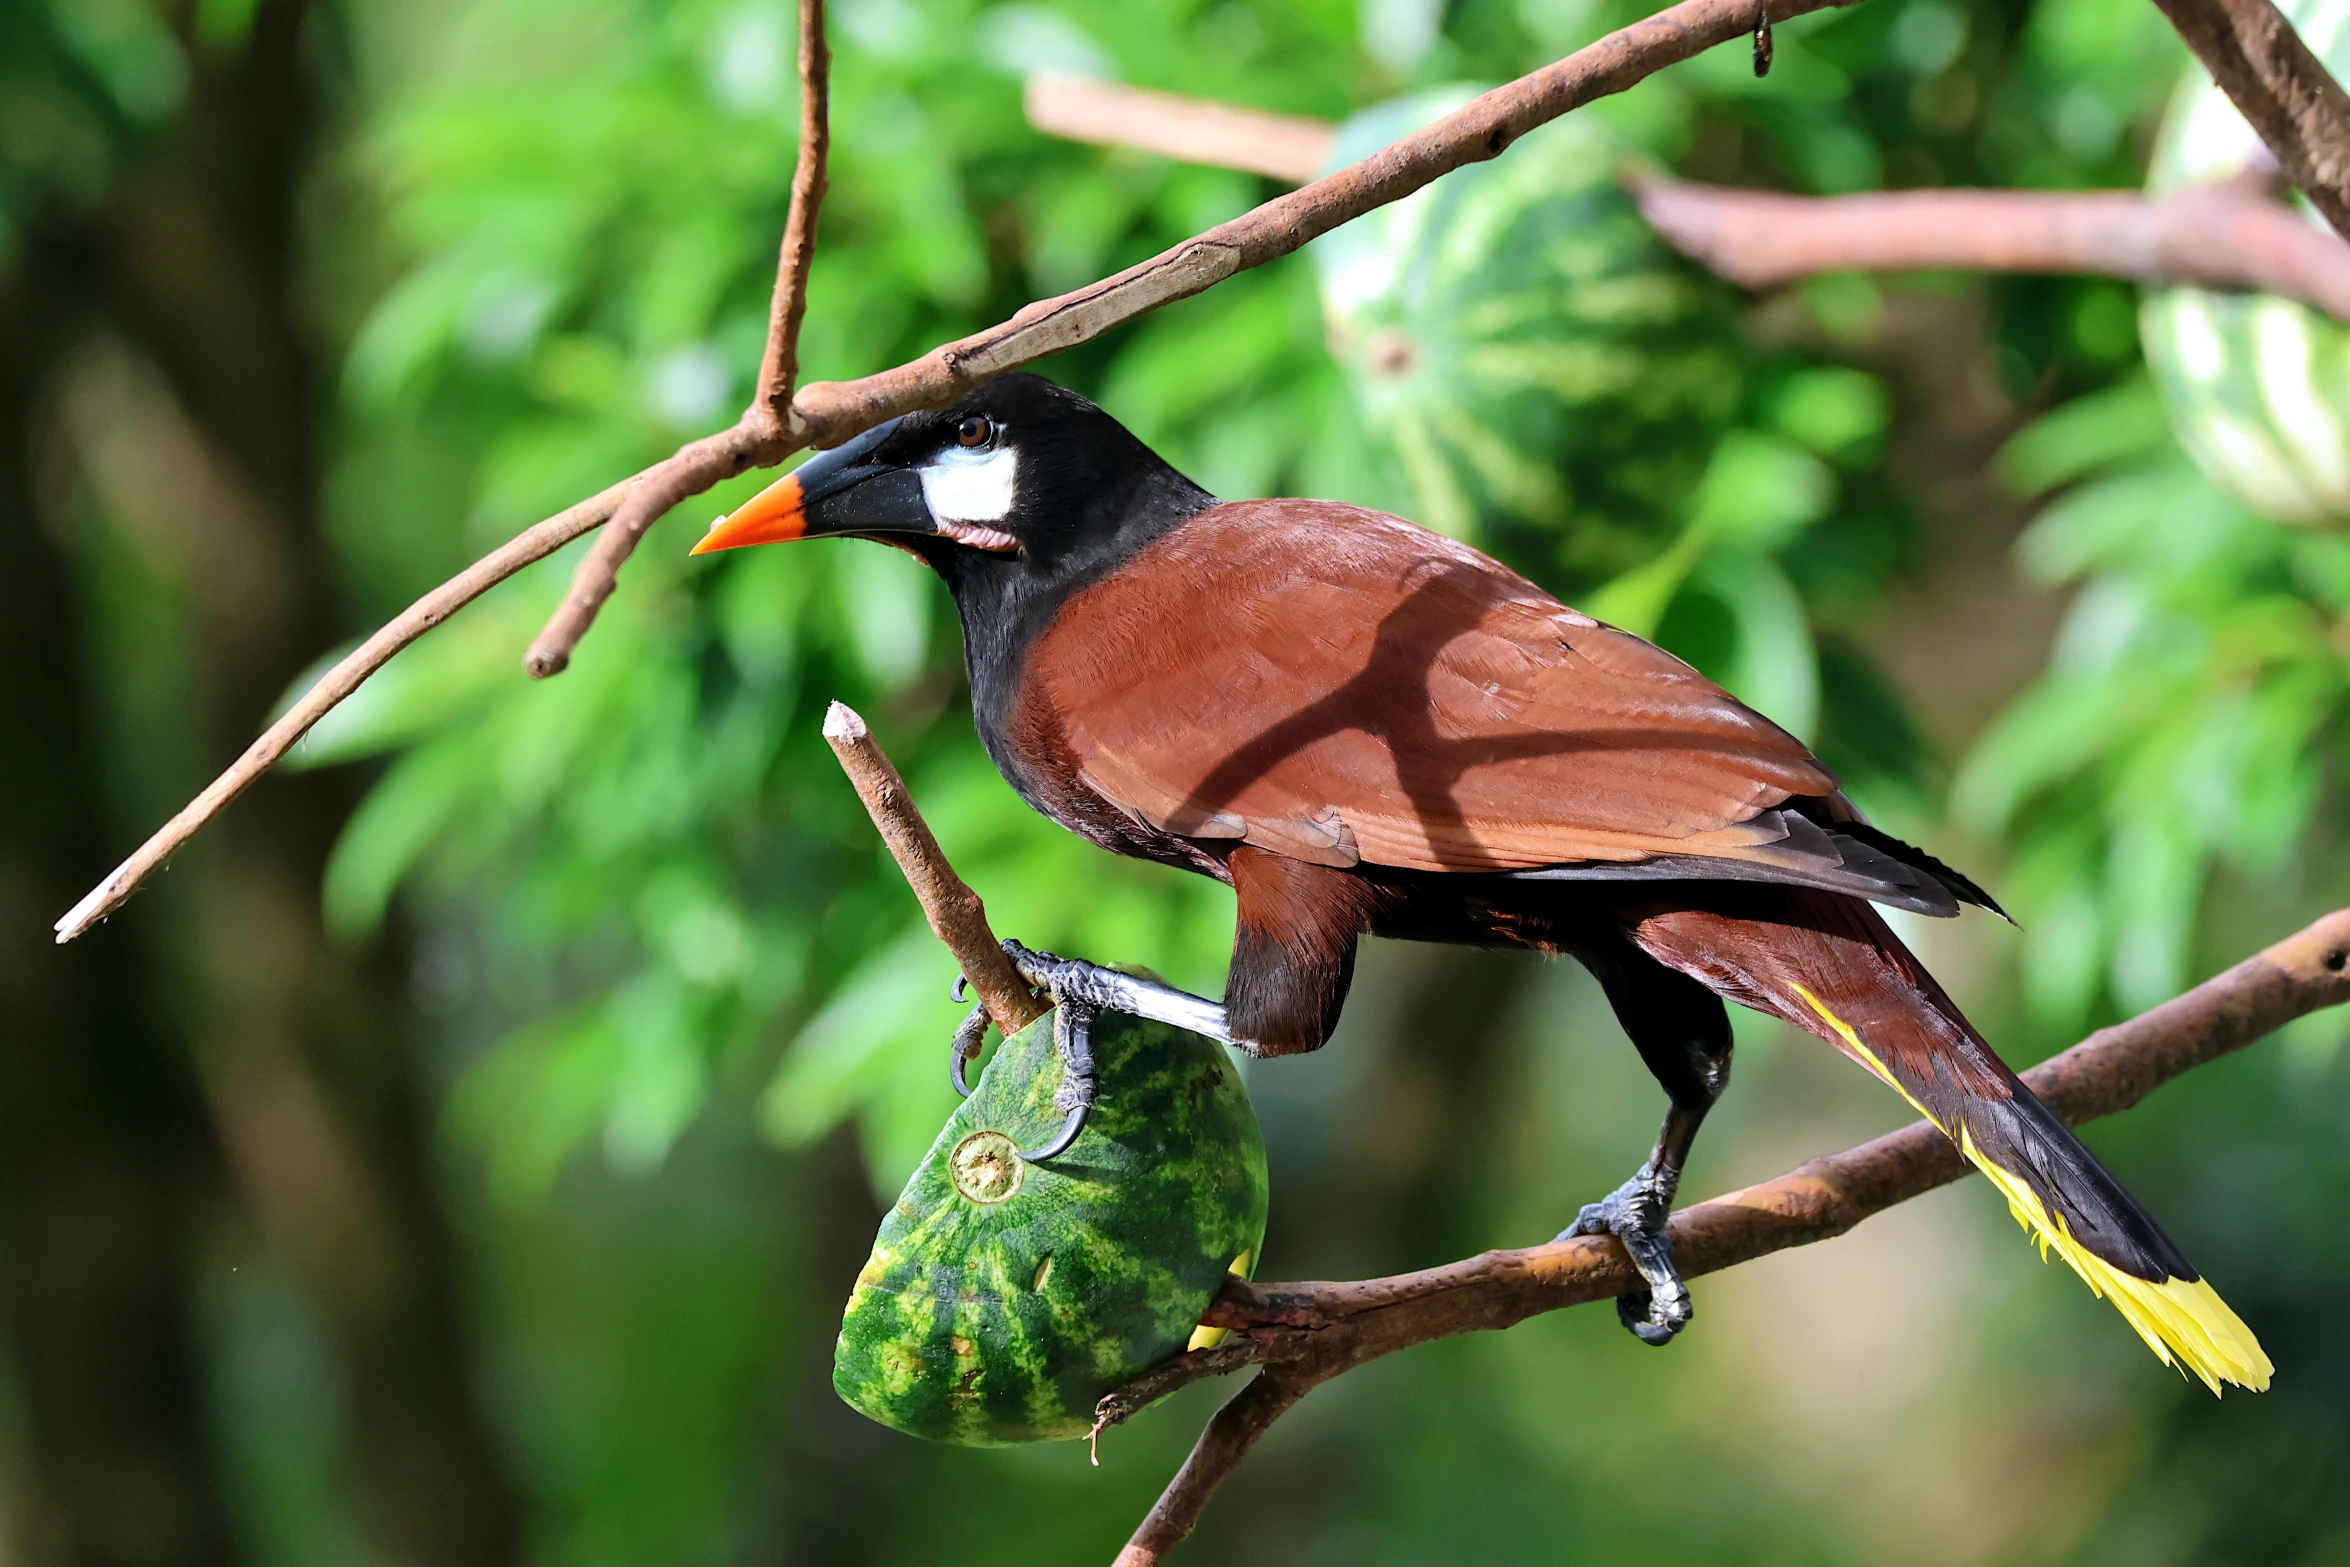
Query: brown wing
[[1343, 687]]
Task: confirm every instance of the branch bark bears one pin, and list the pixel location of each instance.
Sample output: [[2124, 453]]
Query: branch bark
[[957, 916], [779, 368], [827, 413], [1193, 130], [2283, 91], [2228, 234], [1304, 1334]]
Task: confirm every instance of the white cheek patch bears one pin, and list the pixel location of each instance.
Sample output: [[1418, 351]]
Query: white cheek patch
[[971, 487]]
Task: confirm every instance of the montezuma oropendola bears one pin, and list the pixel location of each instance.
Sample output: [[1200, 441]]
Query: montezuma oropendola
[[1366, 727]]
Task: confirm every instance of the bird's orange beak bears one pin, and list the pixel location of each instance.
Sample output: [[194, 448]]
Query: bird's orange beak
[[773, 516]]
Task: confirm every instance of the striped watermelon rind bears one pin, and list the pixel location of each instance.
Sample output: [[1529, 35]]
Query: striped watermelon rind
[[2258, 387], [1004, 1299], [1524, 350]]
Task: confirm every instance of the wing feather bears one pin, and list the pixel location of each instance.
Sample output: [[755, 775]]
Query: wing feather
[[1343, 687]]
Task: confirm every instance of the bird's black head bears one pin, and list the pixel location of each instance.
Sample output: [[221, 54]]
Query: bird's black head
[[1019, 482]]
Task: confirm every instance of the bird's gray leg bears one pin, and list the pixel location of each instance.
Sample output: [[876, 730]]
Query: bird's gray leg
[[1109, 989], [1683, 1033], [1635, 1213]]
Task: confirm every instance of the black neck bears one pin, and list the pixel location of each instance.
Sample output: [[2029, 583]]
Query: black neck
[[1006, 601]]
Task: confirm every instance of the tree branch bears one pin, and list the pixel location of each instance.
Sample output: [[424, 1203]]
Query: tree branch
[[779, 369], [2283, 91], [827, 413], [687, 472], [768, 430], [2229, 234], [1304, 1334], [1193, 130], [957, 916], [1226, 1441]]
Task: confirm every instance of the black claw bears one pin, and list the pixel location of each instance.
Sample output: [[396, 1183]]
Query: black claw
[[970, 1035], [1073, 1037], [960, 989], [1062, 1139]]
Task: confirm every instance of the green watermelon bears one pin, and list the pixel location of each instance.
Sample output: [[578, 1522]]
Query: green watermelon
[[1526, 348], [1003, 1298], [2258, 387]]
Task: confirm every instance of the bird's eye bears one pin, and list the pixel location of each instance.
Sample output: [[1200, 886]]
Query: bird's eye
[[977, 430]]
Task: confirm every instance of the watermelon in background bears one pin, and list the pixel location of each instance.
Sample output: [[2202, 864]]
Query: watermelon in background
[[2258, 387], [1542, 370]]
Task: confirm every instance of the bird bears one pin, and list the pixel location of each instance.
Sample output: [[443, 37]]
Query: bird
[[1365, 727]]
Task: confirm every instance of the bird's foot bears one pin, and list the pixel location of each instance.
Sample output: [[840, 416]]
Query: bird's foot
[[1079, 991], [1077, 996], [1635, 1213]]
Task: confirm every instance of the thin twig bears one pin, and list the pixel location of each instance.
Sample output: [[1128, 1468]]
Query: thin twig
[[1195, 130], [1306, 1333], [2283, 91], [2227, 234], [779, 369], [687, 472], [955, 912], [1227, 1440], [768, 430], [830, 412]]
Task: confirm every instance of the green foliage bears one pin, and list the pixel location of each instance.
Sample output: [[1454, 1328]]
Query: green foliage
[[651, 920], [2258, 387], [2185, 717]]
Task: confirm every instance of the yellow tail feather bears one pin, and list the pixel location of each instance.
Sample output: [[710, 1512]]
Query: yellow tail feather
[[2177, 1316], [2183, 1321]]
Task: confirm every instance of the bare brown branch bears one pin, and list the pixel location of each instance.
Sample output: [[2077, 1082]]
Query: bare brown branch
[[2283, 91], [687, 472], [2228, 234], [956, 914], [1221, 1447], [779, 370], [1306, 1333], [1195, 130], [828, 413]]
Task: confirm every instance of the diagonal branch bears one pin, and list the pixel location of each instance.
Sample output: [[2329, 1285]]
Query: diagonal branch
[[768, 430], [957, 916], [1304, 1334], [2283, 91], [827, 413]]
